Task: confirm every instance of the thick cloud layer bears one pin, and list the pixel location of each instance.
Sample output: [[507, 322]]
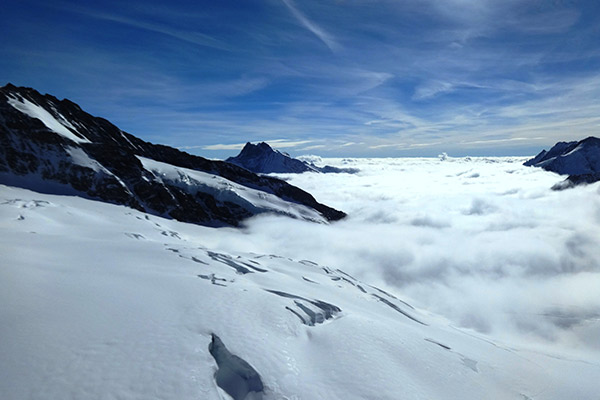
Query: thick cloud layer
[[483, 242]]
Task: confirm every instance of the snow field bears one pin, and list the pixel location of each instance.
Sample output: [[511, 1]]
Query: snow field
[[101, 301]]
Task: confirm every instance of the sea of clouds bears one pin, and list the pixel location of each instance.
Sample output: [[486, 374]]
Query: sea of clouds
[[483, 242]]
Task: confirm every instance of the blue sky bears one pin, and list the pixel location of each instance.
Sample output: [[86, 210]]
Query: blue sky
[[329, 77]]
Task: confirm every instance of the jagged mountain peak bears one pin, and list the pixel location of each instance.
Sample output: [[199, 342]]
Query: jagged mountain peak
[[263, 159], [53, 145], [578, 159], [260, 149]]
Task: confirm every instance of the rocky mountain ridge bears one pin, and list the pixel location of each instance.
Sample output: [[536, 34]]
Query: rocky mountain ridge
[[263, 159], [578, 159], [55, 146]]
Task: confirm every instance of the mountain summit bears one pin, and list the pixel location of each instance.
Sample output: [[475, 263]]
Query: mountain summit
[[53, 146], [263, 159], [580, 160]]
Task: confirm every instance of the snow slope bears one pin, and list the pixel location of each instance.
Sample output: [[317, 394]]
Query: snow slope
[[224, 190], [62, 127], [101, 301]]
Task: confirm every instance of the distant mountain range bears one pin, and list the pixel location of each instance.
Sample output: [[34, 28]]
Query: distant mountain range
[[262, 159], [580, 160], [53, 146]]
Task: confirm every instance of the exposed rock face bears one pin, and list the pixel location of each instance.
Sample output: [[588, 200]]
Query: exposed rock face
[[580, 160], [54, 146], [263, 159]]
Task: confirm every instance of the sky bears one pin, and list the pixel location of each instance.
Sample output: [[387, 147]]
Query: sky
[[372, 78]]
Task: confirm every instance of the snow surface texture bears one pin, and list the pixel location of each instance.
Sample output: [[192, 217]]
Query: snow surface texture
[[101, 301]]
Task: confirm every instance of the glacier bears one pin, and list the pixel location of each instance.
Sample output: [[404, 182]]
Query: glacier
[[411, 296]]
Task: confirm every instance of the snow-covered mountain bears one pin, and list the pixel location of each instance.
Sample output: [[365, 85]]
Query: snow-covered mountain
[[262, 159], [53, 146], [102, 301], [580, 160]]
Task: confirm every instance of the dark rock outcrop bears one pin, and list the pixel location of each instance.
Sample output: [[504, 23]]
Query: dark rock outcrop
[[580, 160], [53, 145], [262, 159]]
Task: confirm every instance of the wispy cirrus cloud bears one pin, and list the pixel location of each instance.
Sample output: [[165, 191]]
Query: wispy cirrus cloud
[[319, 32], [191, 36], [417, 77]]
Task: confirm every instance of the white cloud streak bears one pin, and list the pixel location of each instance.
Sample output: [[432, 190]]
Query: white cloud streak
[[192, 37], [321, 34], [437, 75]]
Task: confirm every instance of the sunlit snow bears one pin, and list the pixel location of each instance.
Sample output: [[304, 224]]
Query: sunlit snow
[[455, 279], [225, 190], [34, 111]]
